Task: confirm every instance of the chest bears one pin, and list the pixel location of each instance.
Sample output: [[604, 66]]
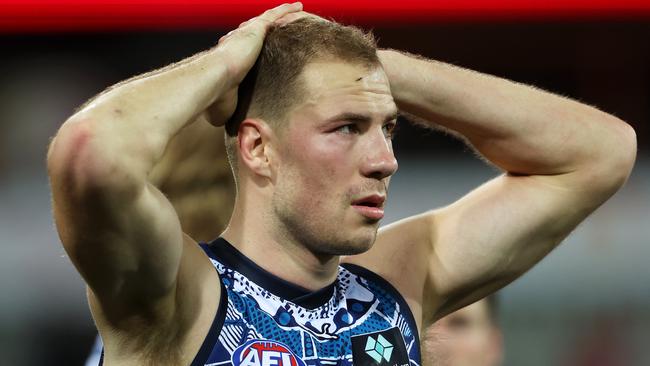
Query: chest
[[358, 325]]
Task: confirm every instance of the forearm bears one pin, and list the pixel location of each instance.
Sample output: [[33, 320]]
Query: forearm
[[519, 128], [128, 127]]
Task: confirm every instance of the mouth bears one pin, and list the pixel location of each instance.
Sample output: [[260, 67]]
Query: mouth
[[374, 200], [371, 207]]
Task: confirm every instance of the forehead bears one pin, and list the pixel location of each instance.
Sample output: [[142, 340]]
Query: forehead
[[333, 86]]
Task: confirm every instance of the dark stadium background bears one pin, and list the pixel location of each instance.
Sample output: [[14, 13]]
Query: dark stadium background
[[588, 303]]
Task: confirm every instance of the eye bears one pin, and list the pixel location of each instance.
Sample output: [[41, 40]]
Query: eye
[[348, 129], [389, 129]]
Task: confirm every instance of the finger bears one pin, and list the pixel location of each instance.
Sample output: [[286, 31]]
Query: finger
[[263, 21], [292, 17], [274, 14], [223, 38]]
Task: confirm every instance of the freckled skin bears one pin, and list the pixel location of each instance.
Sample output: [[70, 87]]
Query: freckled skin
[[322, 170]]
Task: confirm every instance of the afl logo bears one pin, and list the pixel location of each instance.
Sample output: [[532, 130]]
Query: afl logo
[[259, 352]]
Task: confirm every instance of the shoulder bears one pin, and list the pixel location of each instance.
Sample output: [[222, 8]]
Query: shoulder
[[401, 256], [371, 294]]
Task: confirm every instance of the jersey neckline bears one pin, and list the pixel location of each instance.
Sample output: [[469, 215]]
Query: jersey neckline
[[224, 252]]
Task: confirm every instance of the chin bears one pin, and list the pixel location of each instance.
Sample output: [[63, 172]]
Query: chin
[[357, 243]]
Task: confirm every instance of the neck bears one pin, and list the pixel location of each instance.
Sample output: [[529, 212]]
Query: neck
[[280, 255]]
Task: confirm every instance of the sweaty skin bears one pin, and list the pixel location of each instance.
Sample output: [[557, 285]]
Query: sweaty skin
[[120, 231], [336, 149], [313, 191]]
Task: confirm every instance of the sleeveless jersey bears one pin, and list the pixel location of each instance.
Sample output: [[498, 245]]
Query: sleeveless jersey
[[262, 320]]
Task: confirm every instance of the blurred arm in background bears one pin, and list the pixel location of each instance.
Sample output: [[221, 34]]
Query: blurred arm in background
[[195, 176]]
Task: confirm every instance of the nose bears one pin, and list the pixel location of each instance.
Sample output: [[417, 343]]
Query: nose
[[380, 162]]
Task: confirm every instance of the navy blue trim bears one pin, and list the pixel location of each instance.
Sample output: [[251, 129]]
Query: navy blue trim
[[372, 276], [215, 329], [224, 252], [101, 357]]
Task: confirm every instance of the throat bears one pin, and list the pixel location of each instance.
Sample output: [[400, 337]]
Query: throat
[[288, 261]]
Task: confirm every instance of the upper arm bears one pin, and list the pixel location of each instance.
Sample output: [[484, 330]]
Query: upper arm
[[119, 231], [500, 230], [447, 258]]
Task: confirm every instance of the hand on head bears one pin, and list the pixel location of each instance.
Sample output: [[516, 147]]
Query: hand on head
[[243, 46], [292, 17]]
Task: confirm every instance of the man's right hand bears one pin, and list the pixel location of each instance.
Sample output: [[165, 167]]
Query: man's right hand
[[240, 48]]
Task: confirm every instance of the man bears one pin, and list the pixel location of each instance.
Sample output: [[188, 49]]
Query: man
[[468, 336], [312, 156]]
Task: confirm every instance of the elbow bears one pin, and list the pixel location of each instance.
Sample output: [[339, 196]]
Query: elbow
[[68, 150], [625, 153], [79, 164], [617, 157]]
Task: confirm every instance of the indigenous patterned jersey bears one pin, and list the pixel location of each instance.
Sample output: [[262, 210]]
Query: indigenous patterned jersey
[[262, 320]]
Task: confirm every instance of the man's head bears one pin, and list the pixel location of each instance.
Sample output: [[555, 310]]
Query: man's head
[[273, 86], [310, 138], [469, 336]]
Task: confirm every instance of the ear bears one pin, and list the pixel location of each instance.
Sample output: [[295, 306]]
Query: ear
[[253, 139]]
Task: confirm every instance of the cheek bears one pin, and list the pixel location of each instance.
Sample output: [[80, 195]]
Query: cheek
[[302, 184], [319, 162]]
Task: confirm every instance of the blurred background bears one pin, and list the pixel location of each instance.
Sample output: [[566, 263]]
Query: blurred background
[[587, 303]]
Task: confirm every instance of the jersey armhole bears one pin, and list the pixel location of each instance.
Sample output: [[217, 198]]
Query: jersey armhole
[[220, 317], [215, 329], [213, 334], [372, 276]]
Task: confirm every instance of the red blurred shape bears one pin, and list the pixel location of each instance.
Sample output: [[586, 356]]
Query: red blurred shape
[[111, 15]]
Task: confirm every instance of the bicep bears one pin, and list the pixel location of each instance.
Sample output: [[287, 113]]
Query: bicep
[[126, 243], [444, 259], [500, 230]]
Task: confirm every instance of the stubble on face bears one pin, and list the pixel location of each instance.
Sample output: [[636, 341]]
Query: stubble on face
[[317, 222], [320, 174]]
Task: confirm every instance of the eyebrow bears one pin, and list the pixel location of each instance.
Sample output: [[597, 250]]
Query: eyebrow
[[360, 118]]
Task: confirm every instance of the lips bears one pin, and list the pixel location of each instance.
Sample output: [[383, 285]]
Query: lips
[[373, 200], [371, 207]]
